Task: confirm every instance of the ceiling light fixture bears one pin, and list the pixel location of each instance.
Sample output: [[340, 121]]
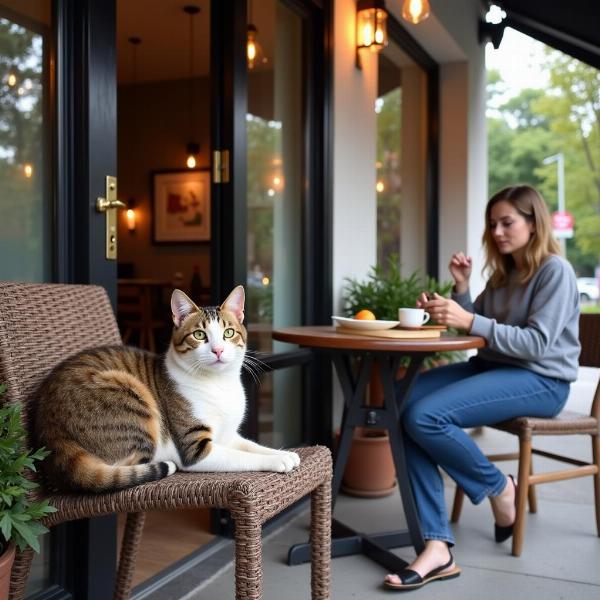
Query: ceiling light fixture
[[254, 52], [192, 147], [415, 11]]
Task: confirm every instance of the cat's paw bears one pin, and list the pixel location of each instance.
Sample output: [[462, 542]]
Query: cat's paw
[[282, 462], [292, 456]]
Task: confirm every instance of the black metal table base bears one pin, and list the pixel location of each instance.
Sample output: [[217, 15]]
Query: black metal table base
[[347, 541]]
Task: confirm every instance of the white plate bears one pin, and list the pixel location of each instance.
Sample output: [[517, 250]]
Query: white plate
[[364, 324]]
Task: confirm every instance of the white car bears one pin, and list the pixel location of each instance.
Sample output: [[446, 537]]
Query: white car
[[588, 289]]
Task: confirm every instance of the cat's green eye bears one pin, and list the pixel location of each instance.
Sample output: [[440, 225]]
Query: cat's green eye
[[199, 335], [228, 333]]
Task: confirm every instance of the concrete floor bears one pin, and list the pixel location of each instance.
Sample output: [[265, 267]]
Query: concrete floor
[[560, 559]]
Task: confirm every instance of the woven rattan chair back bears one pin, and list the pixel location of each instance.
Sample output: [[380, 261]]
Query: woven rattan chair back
[[566, 423], [43, 324]]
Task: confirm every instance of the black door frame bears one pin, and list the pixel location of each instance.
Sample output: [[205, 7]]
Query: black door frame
[[83, 553]]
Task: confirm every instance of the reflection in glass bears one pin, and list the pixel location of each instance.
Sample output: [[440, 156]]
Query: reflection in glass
[[400, 183], [388, 182], [25, 128], [24, 156], [274, 201]]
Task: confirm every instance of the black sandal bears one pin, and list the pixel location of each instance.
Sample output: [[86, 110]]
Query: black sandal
[[502, 533], [411, 580]]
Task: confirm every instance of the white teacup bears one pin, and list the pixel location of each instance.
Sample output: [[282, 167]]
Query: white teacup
[[412, 317]]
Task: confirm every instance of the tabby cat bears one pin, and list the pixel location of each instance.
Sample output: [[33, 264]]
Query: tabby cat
[[115, 417]]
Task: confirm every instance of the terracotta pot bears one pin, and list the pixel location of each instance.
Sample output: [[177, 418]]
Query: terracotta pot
[[370, 469], [6, 563], [375, 387]]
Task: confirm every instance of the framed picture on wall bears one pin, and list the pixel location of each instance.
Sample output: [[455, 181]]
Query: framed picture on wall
[[181, 206]]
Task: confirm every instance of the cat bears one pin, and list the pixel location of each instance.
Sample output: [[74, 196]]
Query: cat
[[115, 417]]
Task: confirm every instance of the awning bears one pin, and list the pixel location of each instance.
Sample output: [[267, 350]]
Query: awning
[[572, 27]]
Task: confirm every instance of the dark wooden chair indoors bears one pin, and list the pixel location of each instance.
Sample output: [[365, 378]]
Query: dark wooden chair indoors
[[69, 318], [566, 423], [136, 311]]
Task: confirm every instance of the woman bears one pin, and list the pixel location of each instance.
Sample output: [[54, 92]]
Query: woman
[[528, 314]]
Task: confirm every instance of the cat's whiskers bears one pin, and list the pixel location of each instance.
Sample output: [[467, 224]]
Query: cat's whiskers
[[253, 371], [254, 366]]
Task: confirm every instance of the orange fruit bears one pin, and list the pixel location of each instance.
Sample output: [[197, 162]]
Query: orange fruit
[[365, 315]]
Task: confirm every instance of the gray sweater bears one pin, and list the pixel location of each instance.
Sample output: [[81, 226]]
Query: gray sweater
[[534, 326]]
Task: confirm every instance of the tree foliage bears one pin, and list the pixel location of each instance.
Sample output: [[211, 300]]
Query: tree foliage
[[535, 124]]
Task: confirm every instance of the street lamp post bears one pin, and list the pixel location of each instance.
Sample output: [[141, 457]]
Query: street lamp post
[[559, 159]]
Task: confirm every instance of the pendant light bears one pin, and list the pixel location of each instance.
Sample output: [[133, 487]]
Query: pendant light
[[254, 52], [192, 147], [130, 213], [415, 11]]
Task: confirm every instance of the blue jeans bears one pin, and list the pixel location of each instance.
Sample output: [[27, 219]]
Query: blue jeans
[[442, 402]]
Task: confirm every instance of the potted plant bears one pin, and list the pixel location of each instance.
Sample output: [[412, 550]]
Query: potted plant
[[20, 514], [370, 468]]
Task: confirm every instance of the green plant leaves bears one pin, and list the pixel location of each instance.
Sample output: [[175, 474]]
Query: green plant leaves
[[385, 290], [19, 514]]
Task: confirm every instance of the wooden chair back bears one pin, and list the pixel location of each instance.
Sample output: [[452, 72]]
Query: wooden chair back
[[589, 336]]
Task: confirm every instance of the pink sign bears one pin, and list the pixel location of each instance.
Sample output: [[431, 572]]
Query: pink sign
[[562, 220]]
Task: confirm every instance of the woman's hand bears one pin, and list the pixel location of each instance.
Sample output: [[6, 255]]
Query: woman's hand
[[460, 268], [446, 311]]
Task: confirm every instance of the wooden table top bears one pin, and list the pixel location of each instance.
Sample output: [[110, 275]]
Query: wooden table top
[[326, 336]]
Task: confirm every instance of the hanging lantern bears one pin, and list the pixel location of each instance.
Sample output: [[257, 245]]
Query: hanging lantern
[[371, 25]]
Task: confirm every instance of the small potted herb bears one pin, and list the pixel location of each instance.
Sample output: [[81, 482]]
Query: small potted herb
[[20, 515]]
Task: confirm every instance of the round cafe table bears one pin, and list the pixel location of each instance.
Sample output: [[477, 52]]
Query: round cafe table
[[354, 376]]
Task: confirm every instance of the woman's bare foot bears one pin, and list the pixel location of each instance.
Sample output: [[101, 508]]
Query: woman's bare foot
[[503, 505], [435, 555]]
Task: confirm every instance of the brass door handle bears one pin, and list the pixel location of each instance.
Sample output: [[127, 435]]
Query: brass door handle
[[102, 204], [108, 205]]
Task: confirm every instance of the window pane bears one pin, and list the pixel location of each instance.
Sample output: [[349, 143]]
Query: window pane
[[25, 133], [274, 197], [401, 159], [25, 167]]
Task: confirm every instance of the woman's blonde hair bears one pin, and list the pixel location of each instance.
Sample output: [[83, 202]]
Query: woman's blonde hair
[[529, 203]]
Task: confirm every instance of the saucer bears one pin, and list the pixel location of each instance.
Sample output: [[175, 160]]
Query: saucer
[[363, 325]]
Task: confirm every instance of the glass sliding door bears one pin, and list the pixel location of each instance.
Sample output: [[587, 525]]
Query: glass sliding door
[[275, 138], [25, 165], [25, 137]]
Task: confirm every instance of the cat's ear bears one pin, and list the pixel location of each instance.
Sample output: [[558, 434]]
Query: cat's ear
[[235, 303], [181, 307]]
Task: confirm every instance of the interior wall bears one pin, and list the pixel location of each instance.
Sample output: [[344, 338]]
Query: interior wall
[[153, 130]]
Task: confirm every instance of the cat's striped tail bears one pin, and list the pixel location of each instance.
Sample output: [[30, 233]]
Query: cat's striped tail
[[89, 473]]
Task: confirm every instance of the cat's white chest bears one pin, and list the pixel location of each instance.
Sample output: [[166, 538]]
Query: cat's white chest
[[217, 404]]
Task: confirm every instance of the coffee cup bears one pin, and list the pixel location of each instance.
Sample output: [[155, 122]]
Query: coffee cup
[[412, 317]]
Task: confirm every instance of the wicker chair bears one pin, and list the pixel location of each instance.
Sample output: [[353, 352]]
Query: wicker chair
[[566, 423], [69, 317]]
